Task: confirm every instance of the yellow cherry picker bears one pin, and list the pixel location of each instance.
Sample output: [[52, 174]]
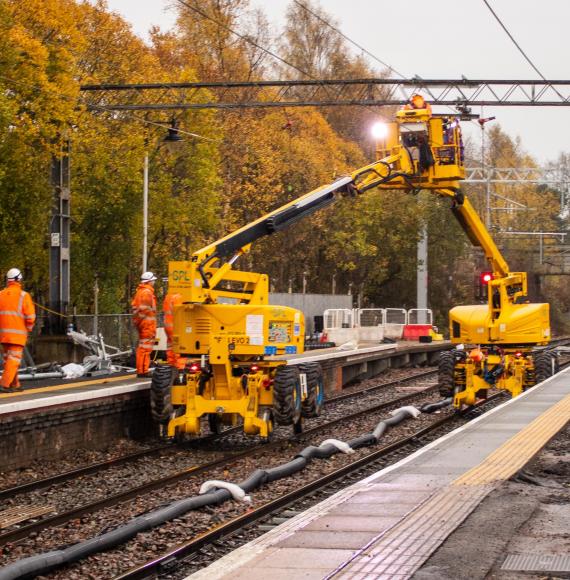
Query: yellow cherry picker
[[233, 338]]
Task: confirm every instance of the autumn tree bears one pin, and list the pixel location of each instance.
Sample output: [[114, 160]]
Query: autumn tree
[[317, 51], [39, 95], [53, 47]]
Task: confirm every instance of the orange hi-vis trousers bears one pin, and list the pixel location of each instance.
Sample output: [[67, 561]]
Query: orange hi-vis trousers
[[147, 332], [172, 358], [12, 357]]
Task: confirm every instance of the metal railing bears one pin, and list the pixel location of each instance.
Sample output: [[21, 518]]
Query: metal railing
[[117, 329]]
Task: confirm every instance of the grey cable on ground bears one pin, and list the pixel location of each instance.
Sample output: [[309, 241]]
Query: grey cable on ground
[[44, 563]]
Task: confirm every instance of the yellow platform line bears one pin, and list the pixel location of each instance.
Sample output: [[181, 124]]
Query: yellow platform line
[[65, 386], [515, 453], [407, 546]]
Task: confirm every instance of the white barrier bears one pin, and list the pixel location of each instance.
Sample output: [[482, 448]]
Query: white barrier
[[339, 325], [420, 316], [394, 321], [370, 324], [338, 318]]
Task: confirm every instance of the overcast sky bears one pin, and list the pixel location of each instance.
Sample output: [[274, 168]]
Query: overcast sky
[[448, 39]]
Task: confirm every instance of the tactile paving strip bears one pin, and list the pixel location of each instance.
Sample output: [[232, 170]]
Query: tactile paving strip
[[401, 551], [519, 449], [546, 563], [404, 547]]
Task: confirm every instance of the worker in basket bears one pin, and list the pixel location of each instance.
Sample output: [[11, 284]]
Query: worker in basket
[[416, 101], [417, 142]]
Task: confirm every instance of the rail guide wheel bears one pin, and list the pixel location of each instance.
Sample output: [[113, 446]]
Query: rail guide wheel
[[215, 423], [287, 401]]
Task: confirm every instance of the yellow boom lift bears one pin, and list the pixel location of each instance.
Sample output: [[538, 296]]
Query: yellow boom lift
[[231, 335]]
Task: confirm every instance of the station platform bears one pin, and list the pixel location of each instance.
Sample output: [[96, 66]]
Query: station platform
[[45, 421], [39, 395], [64, 393], [389, 524]]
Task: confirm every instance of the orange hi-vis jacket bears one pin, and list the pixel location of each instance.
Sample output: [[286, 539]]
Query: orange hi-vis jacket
[[409, 107], [144, 309], [17, 314], [170, 301]]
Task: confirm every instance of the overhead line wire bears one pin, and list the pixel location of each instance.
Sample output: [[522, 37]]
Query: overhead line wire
[[514, 41], [106, 109], [341, 33], [251, 41], [338, 31], [246, 38]]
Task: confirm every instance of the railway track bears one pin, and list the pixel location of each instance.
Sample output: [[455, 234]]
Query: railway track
[[101, 466], [14, 535], [165, 564]]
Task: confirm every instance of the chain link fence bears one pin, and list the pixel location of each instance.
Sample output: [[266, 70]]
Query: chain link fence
[[117, 329]]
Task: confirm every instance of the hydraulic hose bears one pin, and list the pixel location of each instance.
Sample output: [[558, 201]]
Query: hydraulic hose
[[432, 407], [48, 561]]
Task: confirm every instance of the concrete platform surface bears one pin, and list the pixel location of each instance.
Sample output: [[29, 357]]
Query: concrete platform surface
[[389, 524], [38, 396], [70, 392]]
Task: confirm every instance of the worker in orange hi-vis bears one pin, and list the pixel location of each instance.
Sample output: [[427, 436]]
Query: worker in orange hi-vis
[[171, 300], [17, 318], [144, 318], [416, 101]]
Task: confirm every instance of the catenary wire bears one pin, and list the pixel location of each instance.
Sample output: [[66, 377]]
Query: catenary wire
[[338, 31], [513, 40], [103, 108], [535, 68], [245, 37]]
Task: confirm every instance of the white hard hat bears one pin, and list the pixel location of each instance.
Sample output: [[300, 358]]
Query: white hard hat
[[148, 277], [14, 274]]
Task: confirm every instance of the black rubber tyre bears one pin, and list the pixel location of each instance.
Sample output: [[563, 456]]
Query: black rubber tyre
[[544, 365], [312, 406], [286, 395], [446, 374], [160, 395]]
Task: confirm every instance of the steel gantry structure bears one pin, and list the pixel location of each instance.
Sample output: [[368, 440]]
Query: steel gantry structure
[[459, 93], [169, 97]]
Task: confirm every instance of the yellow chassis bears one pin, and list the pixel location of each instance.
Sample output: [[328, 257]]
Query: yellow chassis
[[513, 379], [252, 403]]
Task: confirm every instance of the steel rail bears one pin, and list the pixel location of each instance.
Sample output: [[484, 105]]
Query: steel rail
[[120, 497], [44, 482], [92, 468], [157, 565], [379, 387], [37, 484]]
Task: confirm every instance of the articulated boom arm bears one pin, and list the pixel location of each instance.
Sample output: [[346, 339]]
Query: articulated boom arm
[[199, 279], [420, 151]]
